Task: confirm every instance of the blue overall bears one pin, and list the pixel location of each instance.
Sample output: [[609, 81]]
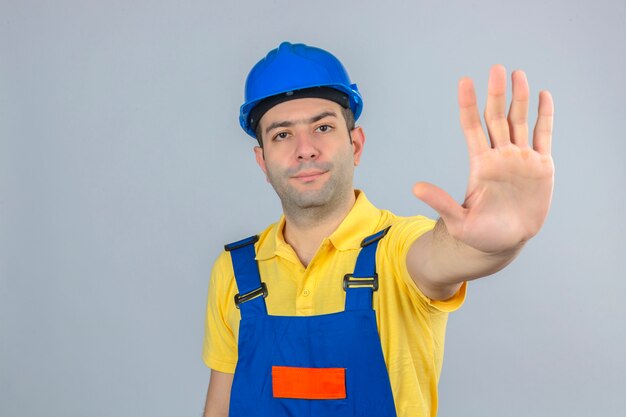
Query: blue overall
[[346, 340]]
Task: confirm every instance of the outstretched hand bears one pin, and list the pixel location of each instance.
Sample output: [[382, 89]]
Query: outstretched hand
[[510, 183]]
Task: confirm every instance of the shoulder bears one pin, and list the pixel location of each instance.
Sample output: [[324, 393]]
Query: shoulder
[[403, 230], [407, 227], [223, 262]]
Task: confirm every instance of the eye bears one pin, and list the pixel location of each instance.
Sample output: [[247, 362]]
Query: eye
[[281, 136], [324, 128]]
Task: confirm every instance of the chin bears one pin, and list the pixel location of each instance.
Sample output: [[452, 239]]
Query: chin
[[304, 199], [312, 199]]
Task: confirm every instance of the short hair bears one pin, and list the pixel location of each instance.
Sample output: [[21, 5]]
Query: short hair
[[347, 113]]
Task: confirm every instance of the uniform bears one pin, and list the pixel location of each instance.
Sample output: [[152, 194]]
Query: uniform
[[411, 327]]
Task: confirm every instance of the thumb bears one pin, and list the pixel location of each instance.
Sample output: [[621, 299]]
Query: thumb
[[449, 210]]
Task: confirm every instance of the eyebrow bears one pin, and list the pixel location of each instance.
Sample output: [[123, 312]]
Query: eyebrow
[[288, 123]]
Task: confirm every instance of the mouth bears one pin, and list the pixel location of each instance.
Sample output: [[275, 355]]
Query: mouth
[[309, 176]]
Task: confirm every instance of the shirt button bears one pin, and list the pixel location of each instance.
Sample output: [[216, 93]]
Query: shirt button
[[306, 293]]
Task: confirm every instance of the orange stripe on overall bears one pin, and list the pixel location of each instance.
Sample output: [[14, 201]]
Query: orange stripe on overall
[[309, 383]]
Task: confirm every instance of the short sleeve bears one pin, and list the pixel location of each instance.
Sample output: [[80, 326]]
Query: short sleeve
[[402, 234], [219, 349]]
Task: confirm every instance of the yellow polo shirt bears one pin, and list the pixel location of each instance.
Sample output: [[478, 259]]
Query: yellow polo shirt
[[411, 326]]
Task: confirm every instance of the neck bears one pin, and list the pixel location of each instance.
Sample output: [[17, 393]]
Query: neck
[[305, 229]]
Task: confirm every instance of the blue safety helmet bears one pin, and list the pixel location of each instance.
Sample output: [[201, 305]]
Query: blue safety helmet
[[294, 68]]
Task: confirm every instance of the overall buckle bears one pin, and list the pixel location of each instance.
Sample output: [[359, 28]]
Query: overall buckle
[[350, 281], [261, 291]]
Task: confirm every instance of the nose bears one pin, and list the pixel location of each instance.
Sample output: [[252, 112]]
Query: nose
[[306, 147]]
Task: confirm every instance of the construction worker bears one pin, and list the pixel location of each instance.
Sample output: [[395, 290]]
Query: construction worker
[[340, 308]]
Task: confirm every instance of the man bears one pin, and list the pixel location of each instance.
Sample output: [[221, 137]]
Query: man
[[343, 306]]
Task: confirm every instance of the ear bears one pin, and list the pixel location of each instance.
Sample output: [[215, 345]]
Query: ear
[[260, 160], [358, 141]]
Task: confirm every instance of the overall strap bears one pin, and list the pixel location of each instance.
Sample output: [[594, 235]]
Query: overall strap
[[252, 292], [361, 284]]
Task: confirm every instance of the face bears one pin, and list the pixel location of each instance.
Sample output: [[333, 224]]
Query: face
[[307, 153]]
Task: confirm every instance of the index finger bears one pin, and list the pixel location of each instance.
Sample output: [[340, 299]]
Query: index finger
[[470, 118]]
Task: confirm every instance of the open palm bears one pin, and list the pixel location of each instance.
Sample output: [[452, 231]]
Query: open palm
[[510, 183]]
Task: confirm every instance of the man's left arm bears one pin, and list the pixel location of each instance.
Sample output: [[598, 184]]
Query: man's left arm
[[508, 194]]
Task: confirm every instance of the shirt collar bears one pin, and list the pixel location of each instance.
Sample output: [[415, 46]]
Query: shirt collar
[[361, 221]]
